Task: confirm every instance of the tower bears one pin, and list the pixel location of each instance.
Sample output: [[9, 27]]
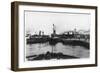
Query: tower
[[75, 31], [54, 30]]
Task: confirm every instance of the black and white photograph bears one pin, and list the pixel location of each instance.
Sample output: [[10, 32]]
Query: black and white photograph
[[53, 35]]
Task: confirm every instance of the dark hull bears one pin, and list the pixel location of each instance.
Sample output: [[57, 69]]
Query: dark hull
[[54, 41]]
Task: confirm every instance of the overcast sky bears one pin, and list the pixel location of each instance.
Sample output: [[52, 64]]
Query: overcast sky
[[35, 21]]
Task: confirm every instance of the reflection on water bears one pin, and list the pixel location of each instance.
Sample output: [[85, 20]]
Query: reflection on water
[[42, 48]]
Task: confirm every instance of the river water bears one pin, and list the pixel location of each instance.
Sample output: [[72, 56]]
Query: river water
[[42, 48]]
